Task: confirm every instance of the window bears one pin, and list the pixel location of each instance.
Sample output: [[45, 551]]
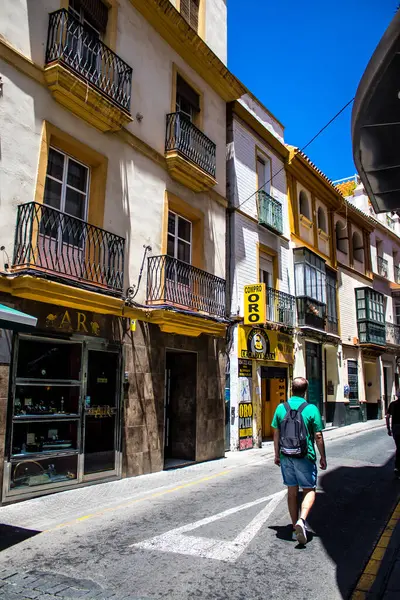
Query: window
[[331, 308], [304, 205], [263, 175], [322, 220], [358, 247], [93, 15], [66, 189], [187, 100], [267, 270], [397, 313], [370, 305], [310, 277], [179, 244], [352, 375], [190, 12], [341, 236]]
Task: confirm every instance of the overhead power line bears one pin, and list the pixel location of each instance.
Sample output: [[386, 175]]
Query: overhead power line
[[301, 150]]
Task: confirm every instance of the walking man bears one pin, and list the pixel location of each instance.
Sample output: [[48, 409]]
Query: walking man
[[297, 424], [393, 427]]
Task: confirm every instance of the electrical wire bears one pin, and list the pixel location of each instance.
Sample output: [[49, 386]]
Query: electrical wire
[[300, 150]]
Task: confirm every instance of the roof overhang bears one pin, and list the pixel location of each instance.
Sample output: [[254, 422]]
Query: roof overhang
[[376, 123]]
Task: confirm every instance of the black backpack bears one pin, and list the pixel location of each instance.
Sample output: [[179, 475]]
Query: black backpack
[[293, 432]]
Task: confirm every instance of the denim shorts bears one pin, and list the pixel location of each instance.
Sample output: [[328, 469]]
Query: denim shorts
[[299, 471]]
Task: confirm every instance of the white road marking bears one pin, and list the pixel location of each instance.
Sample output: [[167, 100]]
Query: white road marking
[[228, 551]]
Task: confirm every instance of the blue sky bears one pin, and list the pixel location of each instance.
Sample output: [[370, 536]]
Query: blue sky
[[304, 60]]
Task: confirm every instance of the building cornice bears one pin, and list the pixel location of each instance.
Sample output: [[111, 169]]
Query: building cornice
[[173, 28]]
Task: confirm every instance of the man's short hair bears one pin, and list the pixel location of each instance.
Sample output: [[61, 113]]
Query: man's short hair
[[299, 386]]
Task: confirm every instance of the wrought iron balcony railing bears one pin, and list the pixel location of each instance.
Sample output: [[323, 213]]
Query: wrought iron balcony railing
[[181, 135], [397, 274], [332, 325], [383, 266], [269, 212], [172, 281], [69, 42], [393, 334], [311, 313], [53, 242], [281, 307], [370, 332]]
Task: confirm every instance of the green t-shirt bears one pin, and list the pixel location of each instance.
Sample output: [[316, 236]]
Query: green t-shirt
[[312, 420]]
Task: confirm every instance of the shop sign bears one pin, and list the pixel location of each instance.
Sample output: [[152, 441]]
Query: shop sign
[[245, 425], [100, 412], [72, 321], [254, 304], [264, 344], [244, 368]]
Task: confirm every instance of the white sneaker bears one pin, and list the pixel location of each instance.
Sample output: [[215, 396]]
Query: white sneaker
[[294, 536], [301, 533]]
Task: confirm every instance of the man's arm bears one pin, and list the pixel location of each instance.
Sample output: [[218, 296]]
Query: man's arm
[[319, 440], [276, 447]]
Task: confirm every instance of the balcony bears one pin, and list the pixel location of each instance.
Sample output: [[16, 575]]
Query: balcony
[[311, 313], [393, 334], [85, 76], [190, 155], [50, 242], [370, 332], [281, 307], [269, 212], [383, 266], [176, 283]]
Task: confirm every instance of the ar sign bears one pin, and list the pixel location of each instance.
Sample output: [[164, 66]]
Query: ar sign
[[254, 304]]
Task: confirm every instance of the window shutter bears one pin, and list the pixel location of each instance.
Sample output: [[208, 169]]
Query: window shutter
[[96, 12], [184, 90], [190, 12]]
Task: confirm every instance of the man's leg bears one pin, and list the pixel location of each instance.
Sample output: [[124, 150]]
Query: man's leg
[[307, 503], [397, 442], [293, 491]]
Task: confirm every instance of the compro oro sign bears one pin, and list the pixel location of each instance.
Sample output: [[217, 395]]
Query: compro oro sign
[[263, 344], [254, 304]]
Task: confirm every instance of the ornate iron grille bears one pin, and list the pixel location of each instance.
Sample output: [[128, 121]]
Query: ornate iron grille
[[172, 281], [51, 241], [397, 274], [186, 138], [269, 212], [71, 43], [383, 266], [281, 307]]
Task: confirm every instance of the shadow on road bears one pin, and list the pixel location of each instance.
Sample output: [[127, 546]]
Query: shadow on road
[[9, 535], [349, 514]]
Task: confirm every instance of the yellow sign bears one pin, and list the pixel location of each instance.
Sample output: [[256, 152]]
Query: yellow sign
[[254, 304], [133, 324], [263, 344]]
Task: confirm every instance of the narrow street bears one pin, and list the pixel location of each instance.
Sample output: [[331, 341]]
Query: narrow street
[[185, 537]]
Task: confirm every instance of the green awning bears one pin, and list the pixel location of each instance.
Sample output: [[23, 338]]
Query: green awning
[[15, 320]]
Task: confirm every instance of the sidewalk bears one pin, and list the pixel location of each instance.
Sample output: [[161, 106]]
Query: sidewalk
[[58, 509]]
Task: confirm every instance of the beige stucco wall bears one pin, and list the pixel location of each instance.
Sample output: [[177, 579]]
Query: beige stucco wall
[[136, 185]]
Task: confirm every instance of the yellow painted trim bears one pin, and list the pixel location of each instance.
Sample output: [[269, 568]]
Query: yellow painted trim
[[175, 72], [300, 243], [371, 570], [280, 148], [44, 290], [314, 219], [187, 173], [196, 216], [202, 20], [98, 163], [323, 235], [181, 324], [172, 27], [260, 153], [305, 221], [22, 63]]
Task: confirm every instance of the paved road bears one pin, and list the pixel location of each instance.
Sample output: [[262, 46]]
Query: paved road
[[225, 537]]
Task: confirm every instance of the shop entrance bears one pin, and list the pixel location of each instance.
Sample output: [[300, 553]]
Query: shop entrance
[[273, 391], [180, 408], [100, 409]]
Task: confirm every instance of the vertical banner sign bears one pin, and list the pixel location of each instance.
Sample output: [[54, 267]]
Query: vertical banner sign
[[245, 425], [254, 304]]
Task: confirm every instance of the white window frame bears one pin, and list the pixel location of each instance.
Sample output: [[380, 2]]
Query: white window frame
[[177, 238], [65, 185]]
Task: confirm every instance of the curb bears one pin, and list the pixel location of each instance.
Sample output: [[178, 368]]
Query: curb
[[369, 575]]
